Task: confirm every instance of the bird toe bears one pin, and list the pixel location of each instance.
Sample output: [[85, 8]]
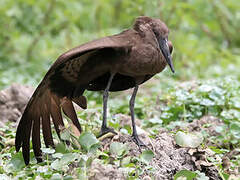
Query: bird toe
[[106, 130], [139, 142]]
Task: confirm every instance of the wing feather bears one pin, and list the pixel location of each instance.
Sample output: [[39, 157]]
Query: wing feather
[[116, 41], [56, 114], [36, 139], [46, 126], [70, 112], [26, 131], [46, 100]]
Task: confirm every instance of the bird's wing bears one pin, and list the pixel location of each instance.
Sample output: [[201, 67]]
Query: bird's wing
[[116, 41], [49, 97]]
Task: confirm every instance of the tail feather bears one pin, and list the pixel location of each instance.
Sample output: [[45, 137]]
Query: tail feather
[[70, 112], [22, 130], [43, 105], [80, 101], [56, 114], [26, 131], [46, 127], [19, 135], [36, 142]]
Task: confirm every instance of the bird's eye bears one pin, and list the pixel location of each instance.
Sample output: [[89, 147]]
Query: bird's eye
[[155, 32]]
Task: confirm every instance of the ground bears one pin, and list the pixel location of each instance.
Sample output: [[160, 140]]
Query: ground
[[169, 158]]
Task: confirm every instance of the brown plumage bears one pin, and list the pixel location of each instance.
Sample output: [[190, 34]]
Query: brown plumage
[[113, 63]]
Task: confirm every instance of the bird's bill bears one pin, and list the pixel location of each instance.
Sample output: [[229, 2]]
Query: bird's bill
[[163, 44]]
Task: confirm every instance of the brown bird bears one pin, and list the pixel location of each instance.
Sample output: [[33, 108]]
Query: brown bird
[[112, 63]]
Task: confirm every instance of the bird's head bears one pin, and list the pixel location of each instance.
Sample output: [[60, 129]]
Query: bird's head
[[161, 32]]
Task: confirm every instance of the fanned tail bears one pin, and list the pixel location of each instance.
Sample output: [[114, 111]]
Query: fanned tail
[[43, 105]]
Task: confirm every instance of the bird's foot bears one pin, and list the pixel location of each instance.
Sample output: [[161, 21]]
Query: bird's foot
[[105, 130], [138, 141]]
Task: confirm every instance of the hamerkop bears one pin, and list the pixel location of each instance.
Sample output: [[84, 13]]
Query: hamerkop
[[113, 63]]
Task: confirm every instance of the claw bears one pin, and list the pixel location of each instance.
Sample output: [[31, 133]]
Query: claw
[[138, 142]]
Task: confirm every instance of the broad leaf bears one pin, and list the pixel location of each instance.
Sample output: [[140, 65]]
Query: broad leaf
[[185, 174], [88, 141], [188, 139]]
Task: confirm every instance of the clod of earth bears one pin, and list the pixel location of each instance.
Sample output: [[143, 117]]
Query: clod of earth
[[13, 101]]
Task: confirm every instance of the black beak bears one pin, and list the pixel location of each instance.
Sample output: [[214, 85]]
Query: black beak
[[166, 52]]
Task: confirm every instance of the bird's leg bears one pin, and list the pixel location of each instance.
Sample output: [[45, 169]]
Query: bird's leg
[[131, 105], [104, 128]]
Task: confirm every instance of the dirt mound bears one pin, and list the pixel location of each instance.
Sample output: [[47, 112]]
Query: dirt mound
[[168, 160], [13, 101]]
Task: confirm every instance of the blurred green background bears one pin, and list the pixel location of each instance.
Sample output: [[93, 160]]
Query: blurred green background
[[205, 33]]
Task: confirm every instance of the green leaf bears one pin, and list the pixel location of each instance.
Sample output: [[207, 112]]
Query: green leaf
[[225, 175], [155, 120], [188, 139], [65, 160], [17, 162], [42, 169], [4, 177], [56, 176], [235, 129], [48, 150], [61, 148], [56, 165], [118, 149], [201, 176], [125, 161], [68, 177], [185, 174], [65, 135], [69, 157], [146, 156], [89, 162], [102, 155], [57, 155], [88, 141]]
